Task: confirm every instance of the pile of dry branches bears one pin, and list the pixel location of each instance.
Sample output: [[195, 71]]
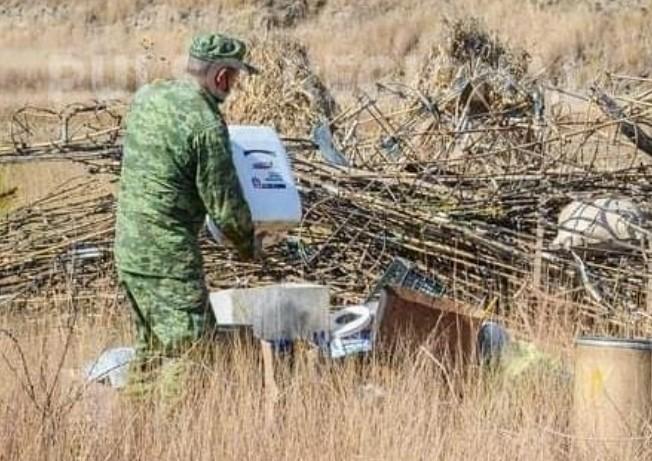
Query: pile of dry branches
[[87, 133], [287, 95], [63, 240], [464, 176]]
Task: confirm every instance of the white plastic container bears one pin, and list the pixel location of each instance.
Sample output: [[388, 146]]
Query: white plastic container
[[266, 178], [282, 312], [351, 331]]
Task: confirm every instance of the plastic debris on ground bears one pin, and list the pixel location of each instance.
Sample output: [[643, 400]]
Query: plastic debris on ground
[[111, 367], [351, 331], [521, 358], [405, 274], [493, 340], [323, 138]]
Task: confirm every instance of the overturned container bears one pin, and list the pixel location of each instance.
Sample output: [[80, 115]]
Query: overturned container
[[612, 395], [409, 321]]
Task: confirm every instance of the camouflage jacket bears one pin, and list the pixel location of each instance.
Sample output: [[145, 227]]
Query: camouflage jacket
[[176, 168]]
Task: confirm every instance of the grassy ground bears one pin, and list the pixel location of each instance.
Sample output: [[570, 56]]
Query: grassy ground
[[409, 409], [3, 199], [32, 181], [52, 49], [55, 53]]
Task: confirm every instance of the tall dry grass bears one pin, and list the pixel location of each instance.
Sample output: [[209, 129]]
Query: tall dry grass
[[33, 181], [5, 195], [56, 47], [407, 409], [55, 53]]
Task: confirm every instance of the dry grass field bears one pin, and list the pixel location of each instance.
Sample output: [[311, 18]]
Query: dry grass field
[[403, 410], [408, 409], [96, 48], [55, 52]]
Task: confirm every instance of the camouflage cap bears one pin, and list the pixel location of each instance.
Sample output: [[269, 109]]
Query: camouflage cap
[[221, 49]]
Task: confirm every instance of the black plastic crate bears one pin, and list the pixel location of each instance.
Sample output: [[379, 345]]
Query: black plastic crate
[[405, 274]]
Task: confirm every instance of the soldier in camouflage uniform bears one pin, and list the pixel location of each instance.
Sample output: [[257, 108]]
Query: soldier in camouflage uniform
[[176, 169]]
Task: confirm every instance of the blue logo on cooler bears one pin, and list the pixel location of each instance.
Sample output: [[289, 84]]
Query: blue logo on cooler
[[258, 184], [262, 165]]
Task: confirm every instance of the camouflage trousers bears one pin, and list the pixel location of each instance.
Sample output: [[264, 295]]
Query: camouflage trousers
[[174, 329], [171, 315]]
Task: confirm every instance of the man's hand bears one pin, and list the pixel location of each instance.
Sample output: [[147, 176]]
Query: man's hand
[[259, 237], [216, 233]]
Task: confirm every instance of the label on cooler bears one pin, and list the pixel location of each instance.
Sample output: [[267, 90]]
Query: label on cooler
[[271, 180], [265, 175]]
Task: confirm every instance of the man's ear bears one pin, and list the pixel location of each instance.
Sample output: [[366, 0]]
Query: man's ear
[[213, 82], [221, 79]]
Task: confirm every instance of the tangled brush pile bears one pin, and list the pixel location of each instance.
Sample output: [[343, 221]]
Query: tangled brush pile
[[468, 55], [287, 94], [472, 96], [287, 13]]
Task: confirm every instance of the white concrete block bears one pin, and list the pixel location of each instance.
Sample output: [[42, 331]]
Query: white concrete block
[[276, 312]]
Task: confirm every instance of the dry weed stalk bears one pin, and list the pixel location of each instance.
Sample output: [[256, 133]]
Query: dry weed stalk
[[379, 409], [288, 95]]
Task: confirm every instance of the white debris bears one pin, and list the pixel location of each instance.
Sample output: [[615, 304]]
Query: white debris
[[604, 220], [111, 367]]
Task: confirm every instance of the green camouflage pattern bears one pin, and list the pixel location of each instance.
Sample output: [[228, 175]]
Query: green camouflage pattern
[[176, 168], [171, 315], [175, 330], [215, 47], [165, 383]]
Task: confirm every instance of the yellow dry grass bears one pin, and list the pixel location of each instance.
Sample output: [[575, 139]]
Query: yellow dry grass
[[32, 181], [52, 47], [408, 409], [289, 97], [4, 199], [55, 52]]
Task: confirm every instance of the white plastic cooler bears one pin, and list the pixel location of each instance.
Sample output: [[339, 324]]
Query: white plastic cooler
[[266, 178]]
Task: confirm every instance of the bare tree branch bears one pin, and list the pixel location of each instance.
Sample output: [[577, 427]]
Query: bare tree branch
[[630, 129]]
